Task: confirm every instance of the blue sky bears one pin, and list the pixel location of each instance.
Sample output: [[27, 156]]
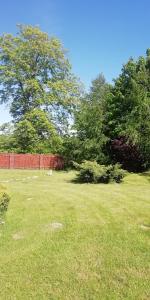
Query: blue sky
[[100, 35]]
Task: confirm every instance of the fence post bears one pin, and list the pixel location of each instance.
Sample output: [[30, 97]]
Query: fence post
[[41, 161], [11, 161]]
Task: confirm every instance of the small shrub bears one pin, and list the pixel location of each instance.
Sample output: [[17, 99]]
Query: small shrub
[[92, 172], [4, 202], [116, 173], [88, 171]]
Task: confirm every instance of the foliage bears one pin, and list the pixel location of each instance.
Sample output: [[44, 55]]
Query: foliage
[[26, 137], [111, 123], [116, 173], [7, 141], [89, 171], [34, 71], [128, 110], [4, 201], [92, 172], [71, 150], [88, 139], [128, 154], [36, 134], [36, 78]]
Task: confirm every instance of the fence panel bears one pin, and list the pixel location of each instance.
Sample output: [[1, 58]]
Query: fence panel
[[30, 161], [26, 161], [4, 161]]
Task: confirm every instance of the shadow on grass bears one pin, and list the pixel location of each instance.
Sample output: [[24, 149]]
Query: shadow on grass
[[146, 175], [75, 181]]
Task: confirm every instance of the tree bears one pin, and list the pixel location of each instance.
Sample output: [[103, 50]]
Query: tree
[[7, 141], [128, 110], [26, 137], [36, 134], [35, 74], [88, 141]]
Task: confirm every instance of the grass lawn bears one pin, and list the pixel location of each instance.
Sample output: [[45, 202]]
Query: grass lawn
[[99, 250]]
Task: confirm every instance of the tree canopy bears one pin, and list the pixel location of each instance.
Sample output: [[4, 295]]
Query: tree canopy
[[89, 121], [35, 76], [34, 71], [112, 123], [128, 110]]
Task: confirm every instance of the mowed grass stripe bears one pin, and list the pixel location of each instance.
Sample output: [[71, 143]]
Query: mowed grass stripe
[[101, 251]]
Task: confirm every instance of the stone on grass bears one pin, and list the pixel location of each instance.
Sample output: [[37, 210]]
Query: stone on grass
[[56, 225], [50, 173], [2, 222], [145, 227], [53, 226]]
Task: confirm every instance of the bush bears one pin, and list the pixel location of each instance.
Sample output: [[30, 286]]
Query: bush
[[4, 201], [92, 172], [116, 173], [89, 171]]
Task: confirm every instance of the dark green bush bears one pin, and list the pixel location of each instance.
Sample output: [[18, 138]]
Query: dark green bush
[[92, 172]]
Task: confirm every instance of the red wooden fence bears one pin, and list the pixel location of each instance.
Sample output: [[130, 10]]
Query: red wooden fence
[[30, 161]]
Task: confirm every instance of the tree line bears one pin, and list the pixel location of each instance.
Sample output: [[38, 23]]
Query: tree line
[[51, 112]]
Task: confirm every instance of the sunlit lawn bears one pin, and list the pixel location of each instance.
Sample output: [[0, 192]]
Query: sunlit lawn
[[99, 250]]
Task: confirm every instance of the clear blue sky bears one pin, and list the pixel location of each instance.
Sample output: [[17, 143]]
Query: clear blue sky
[[100, 34]]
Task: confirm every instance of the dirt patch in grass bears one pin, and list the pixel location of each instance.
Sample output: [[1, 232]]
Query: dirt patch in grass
[[18, 236]]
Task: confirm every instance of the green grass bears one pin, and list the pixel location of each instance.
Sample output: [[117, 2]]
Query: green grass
[[101, 252]]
